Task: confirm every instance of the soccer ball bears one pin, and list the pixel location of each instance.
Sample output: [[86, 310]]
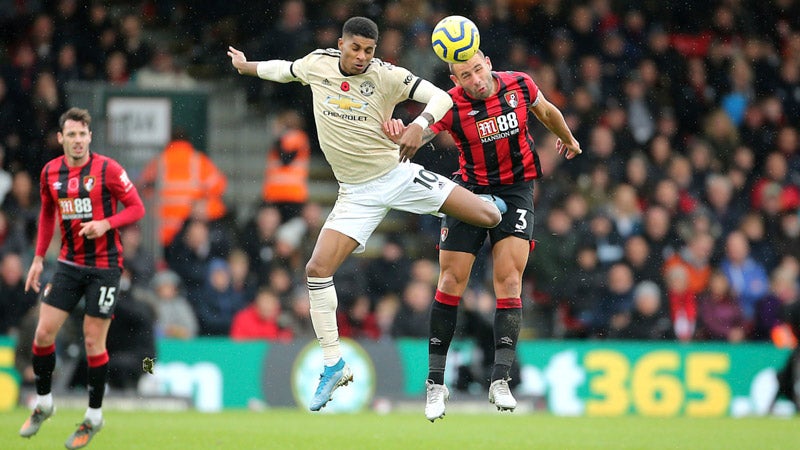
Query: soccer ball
[[455, 39]]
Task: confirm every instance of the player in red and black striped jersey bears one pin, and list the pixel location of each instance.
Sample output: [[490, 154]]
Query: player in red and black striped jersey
[[82, 189], [489, 123], [495, 147], [81, 195]]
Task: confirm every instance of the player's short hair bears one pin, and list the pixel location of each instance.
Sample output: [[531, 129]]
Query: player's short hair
[[450, 65], [360, 26], [76, 114]]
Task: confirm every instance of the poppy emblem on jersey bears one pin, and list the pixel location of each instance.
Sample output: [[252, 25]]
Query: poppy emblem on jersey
[[88, 183], [444, 234], [512, 99], [367, 88], [72, 184], [345, 86]]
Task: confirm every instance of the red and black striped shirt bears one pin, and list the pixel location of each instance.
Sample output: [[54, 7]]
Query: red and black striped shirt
[[492, 137], [82, 194]]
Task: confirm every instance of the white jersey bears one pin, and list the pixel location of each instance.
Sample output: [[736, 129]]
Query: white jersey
[[349, 111]]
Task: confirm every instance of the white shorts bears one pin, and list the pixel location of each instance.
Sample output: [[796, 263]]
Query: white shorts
[[360, 208]]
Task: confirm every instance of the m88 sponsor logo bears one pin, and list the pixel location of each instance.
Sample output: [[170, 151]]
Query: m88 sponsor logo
[[75, 208], [498, 127]]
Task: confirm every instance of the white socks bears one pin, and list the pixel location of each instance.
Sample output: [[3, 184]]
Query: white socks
[[45, 401], [322, 295], [95, 415]]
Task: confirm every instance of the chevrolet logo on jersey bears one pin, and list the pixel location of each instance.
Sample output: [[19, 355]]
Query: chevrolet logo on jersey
[[346, 103]]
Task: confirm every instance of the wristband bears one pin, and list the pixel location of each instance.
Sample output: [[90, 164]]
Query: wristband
[[422, 122]]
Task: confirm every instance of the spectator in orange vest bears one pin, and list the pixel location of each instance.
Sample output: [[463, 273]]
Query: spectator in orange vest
[[183, 182], [695, 258], [286, 173]]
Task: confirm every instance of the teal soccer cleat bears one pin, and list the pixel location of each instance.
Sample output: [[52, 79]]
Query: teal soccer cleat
[[330, 379]]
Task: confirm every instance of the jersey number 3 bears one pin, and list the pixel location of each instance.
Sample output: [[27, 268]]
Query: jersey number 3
[[522, 223]]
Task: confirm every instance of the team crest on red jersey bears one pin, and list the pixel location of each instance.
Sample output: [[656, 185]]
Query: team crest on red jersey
[[88, 182], [512, 99]]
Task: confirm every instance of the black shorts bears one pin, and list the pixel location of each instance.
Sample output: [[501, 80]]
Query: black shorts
[[517, 221], [71, 283]]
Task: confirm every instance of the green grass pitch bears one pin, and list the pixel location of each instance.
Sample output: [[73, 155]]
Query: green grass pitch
[[294, 429]]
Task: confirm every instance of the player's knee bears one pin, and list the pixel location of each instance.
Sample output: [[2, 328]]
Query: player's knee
[[489, 215], [44, 337], [494, 217], [451, 282], [94, 344], [316, 270], [510, 285]]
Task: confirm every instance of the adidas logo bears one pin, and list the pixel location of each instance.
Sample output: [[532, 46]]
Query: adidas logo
[[326, 82]]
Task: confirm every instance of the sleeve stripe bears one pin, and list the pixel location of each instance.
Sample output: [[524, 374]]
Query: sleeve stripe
[[291, 69], [414, 88], [536, 100]]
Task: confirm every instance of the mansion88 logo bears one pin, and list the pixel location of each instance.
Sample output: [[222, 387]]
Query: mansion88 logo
[[75, 208], [499, 127]]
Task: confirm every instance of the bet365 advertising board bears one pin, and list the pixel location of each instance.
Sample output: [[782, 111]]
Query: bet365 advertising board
[[571, 378]]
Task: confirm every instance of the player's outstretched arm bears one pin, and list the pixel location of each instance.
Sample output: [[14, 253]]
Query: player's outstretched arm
[[273, 70], [551, 117], [240, 62]]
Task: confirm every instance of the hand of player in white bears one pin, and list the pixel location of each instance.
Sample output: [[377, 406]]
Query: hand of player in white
[[394, 129], [237, 59], [570, 150], [94, 229], [410, 141]]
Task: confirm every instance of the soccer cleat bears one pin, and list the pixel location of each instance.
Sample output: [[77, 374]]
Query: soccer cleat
[[437, 395], [500, 395], [35, 421], [330, 379], [81, 437], [499, 202]]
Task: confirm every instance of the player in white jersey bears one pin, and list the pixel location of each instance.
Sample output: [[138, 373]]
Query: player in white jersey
[[354, 94]]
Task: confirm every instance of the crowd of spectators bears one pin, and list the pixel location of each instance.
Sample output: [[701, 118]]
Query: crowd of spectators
[[679, 221]]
